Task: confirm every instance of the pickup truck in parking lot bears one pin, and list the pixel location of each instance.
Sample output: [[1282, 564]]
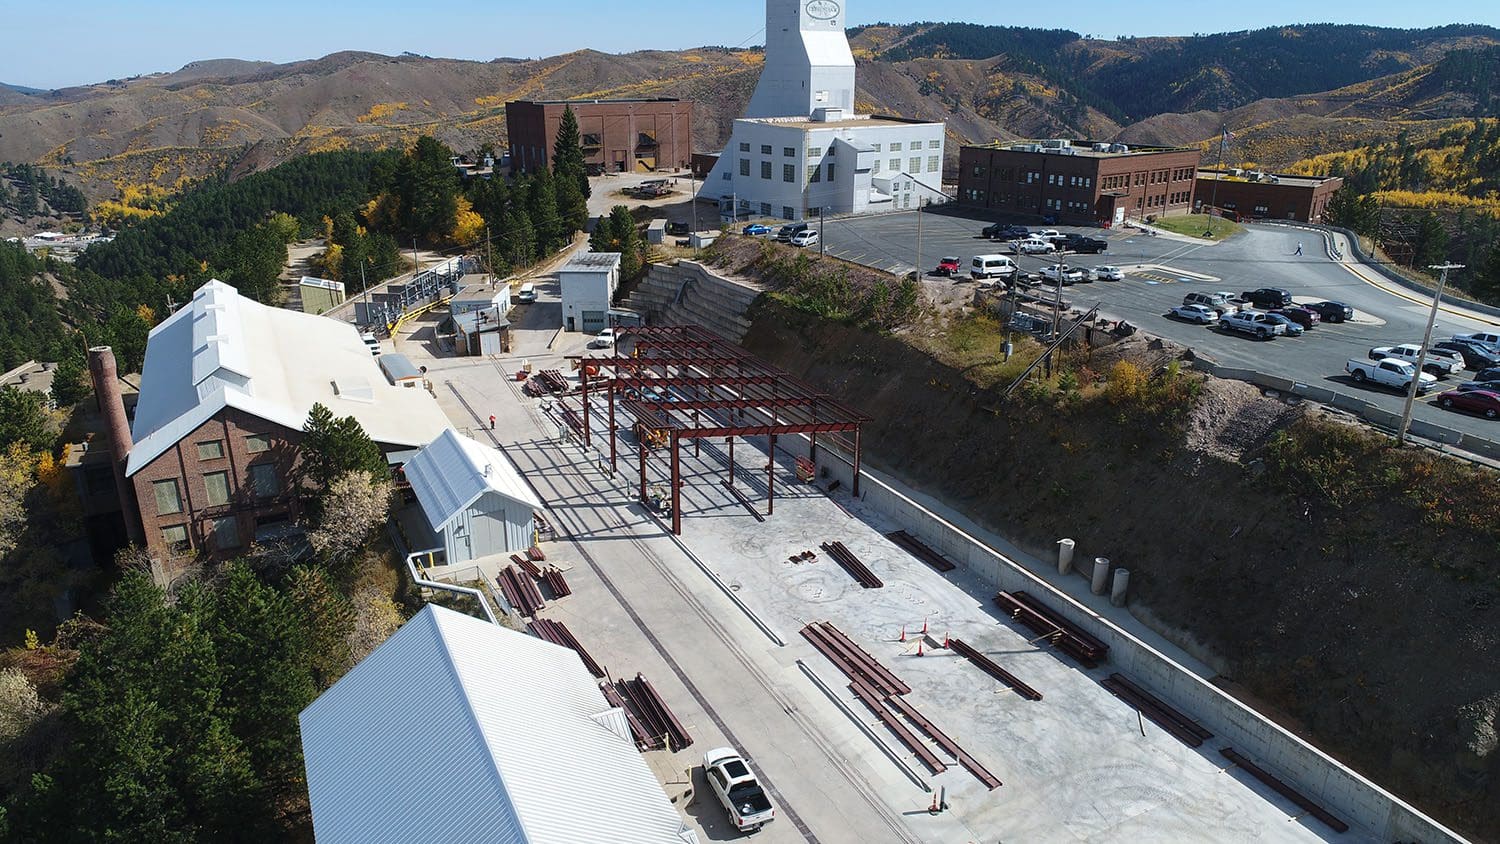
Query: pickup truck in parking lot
[[1083, 243], [1254, 323], [1267, 298], [1393, 373], [1440, 362]]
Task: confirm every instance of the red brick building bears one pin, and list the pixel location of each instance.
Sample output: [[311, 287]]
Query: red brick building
[[227, 385], [619, 136], [1251, 195], [1078, 182]]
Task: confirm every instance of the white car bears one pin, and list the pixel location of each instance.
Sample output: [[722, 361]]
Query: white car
[[806, 237], [1109, 274], [1047, 234], [603, 340], [1033, 246], [731, 780], [1201, 314], [1069, 275]]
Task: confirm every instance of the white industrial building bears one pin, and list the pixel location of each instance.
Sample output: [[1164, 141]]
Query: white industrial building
[[801, 151], [588, 283], [456, 729], [474, 500]]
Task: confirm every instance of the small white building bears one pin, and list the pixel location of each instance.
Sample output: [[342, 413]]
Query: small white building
[[588, 282], [473, 498], [481, 297], [456, 729]]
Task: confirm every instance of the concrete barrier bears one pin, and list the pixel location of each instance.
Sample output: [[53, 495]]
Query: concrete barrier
[[1322, 778]]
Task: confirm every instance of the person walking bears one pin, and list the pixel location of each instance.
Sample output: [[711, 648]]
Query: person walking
[[1299, 250], [492, 421]]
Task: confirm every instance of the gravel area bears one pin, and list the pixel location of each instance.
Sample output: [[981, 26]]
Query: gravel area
[[1233, 418]]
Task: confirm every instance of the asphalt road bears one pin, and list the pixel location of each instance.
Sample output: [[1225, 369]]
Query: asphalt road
[[1262, 256]]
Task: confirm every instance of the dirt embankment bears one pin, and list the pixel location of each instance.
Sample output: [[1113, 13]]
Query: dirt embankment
[[1334, 586]]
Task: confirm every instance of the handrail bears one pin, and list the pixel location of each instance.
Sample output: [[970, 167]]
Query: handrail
[[447, 587]]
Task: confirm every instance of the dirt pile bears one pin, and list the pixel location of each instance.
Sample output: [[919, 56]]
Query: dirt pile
[[1347, 589]]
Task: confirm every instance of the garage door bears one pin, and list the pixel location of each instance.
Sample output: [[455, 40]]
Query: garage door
[[595, 321]]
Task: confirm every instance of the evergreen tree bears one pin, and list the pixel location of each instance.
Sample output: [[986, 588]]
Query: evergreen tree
[[628, 241], [542, 209], [1430, 245], [604, 238], [332, 446], [69, 381], [327, 619], [567, 157], [517, 245], [572, 208], [23, 419], [427, 186]]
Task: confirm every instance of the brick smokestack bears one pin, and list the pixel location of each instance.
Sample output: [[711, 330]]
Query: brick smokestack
[[117, 428]]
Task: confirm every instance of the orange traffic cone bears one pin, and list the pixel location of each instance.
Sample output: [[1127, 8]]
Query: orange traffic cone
[[919, 647], [903, 633], [924, 627], [946, 646]]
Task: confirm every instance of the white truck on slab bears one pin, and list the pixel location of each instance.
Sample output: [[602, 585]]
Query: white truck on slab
[[731, 780], [1391, 372]]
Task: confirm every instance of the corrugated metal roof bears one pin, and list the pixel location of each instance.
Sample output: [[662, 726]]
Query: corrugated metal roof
[[459, 730], [591, 262], [453, 471], [224, 350]]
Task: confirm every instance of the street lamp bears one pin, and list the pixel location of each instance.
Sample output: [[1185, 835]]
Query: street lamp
[[1416, 378]]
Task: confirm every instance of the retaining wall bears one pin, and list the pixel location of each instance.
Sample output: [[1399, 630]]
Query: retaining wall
[[1323, 779], [689, 293]]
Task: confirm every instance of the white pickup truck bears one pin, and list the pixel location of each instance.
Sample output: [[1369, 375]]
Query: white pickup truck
[[737, 789], [1392, 372], [1440, 362], [1252, 322]]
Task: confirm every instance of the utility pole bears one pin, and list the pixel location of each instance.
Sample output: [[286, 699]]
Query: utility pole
[[1058, 266], [821, 249], [693, 197], [489, 255], [919, 238], [1416, 380], [1213, 202], [416, 265]]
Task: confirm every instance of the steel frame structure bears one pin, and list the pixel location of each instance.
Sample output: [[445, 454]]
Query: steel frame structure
[[694, 385]]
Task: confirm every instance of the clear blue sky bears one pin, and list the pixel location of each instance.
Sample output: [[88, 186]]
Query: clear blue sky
[[49, 45]]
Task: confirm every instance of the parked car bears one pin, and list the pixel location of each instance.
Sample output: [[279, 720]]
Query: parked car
[[1390, 372], [1048, 234], [790, 230], [1438, 362], [1201, 314], [1253, 322], [992, 266], [1002, 231], [1219, 302], [1293, 328], [1483, 337], [1486, 402], [1032, 246], [1083, 243], [1485, 379], [1476, 355], [947, 267], [1305, 317], [603, 340], [1332, 311], [1267, 298], [806, 237], [741, 795], [1106, 273], [757, 229], [527, 293], [1067, 275]]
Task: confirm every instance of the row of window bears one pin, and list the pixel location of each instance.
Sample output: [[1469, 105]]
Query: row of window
[[265, 482], [225, 533], [214, 449], [1072, 206], [1061, 180]]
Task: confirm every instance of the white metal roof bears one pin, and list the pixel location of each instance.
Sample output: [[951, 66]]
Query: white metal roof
[[225, 350], [591, 262], [453, 471], [456, 729]]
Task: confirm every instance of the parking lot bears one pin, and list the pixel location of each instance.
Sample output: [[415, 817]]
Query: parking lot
[[1161, 270]]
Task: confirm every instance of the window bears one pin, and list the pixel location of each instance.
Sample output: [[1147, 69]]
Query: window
[[814, 174], [765, 170], [264, 481], [787, 213], [744, 147], [876, 167], [814, 152], [765, 149], [914, 165], [1032, 176], [217, 485], [978, 169], [831, 175], [744, 166], [788, 152], [832, 151], [876, 147], [168, 498], [257, 443], [895, 165], [175, 538], [895, 146], [765, 209], [1262, 210], [1052, 178], [975, 195], [934, 144], [211, 450], [226, 534], [789, 172], [932, 164], [592, 139]]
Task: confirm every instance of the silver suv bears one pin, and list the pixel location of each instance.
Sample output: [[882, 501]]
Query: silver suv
[[1218, 302]]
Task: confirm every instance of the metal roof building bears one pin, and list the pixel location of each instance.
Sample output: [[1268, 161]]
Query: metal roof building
[[473, 498], [459, 730]]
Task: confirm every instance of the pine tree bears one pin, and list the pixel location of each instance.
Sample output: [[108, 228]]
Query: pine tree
[[604, 238], [542, 209], [69, 385], [631, 248], [327, 618], [331, 446], [518, 239], [572, 208], [567, 155]]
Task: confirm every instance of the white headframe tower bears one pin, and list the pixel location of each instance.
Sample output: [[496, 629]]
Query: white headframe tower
[[808, 62]]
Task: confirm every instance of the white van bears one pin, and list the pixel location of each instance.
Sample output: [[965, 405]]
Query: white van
[[527, 293], [992, 266]]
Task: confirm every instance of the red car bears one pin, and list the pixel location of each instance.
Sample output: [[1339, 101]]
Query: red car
[[1478, 401], [947, 267], [1305, 317]]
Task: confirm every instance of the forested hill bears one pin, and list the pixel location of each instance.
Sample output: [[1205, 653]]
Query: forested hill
[[1131, 79]]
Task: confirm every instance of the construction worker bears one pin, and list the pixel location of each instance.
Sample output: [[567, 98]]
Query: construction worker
[[492, 421]]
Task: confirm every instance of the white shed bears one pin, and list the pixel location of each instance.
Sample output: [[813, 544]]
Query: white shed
[[473, 498], [588, 284], [456, 729]]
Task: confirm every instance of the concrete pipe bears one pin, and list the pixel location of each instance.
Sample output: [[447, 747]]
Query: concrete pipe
[[1101, 575], [1064, 555], [1122, 585]]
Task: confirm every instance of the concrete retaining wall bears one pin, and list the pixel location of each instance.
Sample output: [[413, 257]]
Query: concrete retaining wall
[[689, 293], [1322, 778]]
